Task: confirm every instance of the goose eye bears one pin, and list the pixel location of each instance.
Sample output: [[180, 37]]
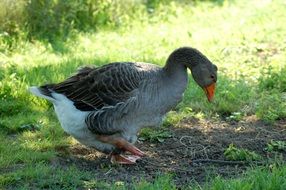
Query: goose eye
[[213, 78]]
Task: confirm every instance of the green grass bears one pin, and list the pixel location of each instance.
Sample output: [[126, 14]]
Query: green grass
[[243, 38], [154, 135], [259, 178], [276, 146], [42, 176], [240, 154]]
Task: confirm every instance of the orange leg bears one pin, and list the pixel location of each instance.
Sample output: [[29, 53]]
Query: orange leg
[[124, 145]]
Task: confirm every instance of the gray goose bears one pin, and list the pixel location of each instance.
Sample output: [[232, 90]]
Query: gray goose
[[105, 107]]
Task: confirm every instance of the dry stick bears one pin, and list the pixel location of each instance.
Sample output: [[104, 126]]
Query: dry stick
[[193, 151], [228, 162], [165, 166], [108, 172], [272, 132], [207, 160]]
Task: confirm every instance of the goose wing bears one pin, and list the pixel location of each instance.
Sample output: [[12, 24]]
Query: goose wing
[[93, 88]]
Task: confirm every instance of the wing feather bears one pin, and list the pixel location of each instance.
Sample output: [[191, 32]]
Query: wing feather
[[93, 88]]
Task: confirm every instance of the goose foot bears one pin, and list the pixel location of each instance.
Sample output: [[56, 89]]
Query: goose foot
[[126, 146], [124, 159], [121, 143]]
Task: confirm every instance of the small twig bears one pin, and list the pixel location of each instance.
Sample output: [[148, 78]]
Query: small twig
[[181, 140], [12, 168], [193, 147], [151, 163], [174, 168], [271, 132], [108, 171], [228, 162]]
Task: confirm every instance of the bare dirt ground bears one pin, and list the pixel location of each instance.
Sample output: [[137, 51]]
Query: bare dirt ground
[[194, 152]]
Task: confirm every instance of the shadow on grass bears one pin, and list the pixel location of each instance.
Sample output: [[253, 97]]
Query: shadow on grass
[[190, 141]]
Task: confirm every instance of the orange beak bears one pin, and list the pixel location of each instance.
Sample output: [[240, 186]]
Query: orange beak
[[210, 90]]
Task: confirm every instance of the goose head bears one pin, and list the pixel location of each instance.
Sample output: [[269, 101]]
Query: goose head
[[203, 70]]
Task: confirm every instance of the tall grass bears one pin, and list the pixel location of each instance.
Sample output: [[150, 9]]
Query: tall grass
[[57, 20], [272, 89]]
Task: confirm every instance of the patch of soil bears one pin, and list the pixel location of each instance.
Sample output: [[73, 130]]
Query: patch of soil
[[187, 154]]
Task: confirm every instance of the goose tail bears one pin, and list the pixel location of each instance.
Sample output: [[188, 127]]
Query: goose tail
[[43, 92]]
